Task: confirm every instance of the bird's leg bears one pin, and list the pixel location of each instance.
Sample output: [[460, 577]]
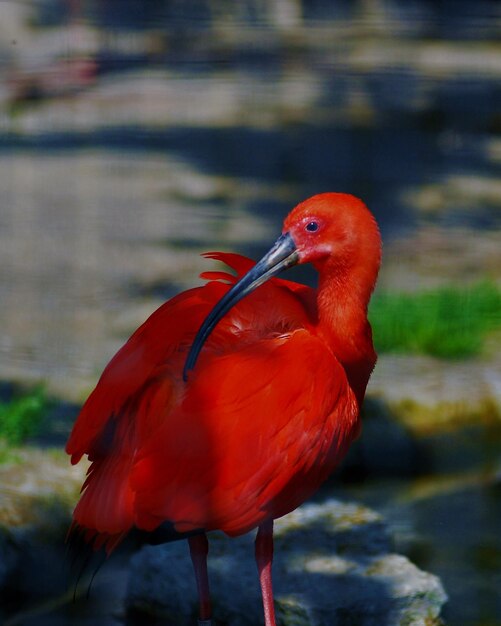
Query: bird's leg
[[264, 558], [199, 548]]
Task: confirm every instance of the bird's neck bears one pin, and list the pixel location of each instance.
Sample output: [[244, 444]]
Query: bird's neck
[[342, 300]]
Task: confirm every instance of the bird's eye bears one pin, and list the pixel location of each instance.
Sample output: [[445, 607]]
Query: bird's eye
[[311, 227]]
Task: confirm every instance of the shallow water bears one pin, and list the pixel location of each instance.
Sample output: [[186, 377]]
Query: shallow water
[[446, 520]]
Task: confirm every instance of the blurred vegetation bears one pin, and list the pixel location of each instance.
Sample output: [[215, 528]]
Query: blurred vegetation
[[447, 322], [21, 416]]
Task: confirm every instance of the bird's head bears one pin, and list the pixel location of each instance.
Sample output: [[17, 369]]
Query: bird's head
[[333, 231]]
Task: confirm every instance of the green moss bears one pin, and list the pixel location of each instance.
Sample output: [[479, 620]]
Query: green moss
[[423, 419], [8, 454], [21, 416], [448, 322]]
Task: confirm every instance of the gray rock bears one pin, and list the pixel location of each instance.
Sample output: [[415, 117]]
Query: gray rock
[[8, 556], [385, 448], [333, 566], [38, 494]]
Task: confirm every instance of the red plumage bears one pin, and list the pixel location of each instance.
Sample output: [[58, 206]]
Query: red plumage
[[271, 407], [212, 455]]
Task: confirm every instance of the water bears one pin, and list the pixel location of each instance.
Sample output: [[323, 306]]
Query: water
[[192, 128], [446, 519]]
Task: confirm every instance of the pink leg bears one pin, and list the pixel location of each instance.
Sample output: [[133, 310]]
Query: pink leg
[[199, 548], [264, 558]]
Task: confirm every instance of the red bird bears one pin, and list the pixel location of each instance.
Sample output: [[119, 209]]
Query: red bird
[[249, 431]]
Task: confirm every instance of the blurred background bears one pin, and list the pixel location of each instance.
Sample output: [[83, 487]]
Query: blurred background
[[135, 135]]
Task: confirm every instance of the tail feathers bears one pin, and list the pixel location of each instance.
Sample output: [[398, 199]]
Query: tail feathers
[[106, 506], [82, 558], [86, 551], [102, 517], [82, 541]]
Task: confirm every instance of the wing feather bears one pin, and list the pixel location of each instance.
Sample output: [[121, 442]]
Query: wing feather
[[261, 421], [253, 437]]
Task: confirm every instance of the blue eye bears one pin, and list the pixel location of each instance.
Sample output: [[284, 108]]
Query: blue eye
[[312, 227]]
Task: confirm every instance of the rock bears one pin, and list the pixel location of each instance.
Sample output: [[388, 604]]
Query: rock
[[8, 556], [35, 510], [333, 566], [428, 395], [385, 447]]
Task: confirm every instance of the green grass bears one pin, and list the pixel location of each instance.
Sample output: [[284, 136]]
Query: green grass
[[448, 322], [21, 416]]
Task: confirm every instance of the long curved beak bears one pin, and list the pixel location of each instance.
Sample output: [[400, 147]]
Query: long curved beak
[[282, 255]]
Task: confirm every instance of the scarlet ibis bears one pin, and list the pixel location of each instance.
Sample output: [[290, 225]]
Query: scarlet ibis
[[235, 400]]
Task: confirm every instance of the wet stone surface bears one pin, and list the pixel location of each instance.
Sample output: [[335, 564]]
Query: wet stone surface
[[333, 565]]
